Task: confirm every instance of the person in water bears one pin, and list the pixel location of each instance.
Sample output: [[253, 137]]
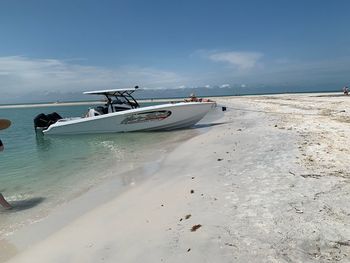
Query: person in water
[[4, 124]]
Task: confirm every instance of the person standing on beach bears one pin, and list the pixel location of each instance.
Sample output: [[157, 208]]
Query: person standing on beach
[[4, 124]]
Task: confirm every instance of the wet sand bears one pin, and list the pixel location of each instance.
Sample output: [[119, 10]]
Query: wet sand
[[269, 184]]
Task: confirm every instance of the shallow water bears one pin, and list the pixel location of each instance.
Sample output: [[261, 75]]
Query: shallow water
[[38, 172]]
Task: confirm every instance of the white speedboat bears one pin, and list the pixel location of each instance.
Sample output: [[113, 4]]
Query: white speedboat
[[122, 113]]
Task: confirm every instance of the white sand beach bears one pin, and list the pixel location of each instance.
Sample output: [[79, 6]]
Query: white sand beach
[[269, 183]]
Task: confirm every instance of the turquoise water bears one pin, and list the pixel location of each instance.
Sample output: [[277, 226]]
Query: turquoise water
[[40, 172]]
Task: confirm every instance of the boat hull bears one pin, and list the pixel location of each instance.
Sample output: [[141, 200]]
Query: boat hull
[[152, 118]]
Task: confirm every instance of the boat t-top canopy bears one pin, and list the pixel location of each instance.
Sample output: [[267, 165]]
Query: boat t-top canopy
[[112, 92], [117, 97]]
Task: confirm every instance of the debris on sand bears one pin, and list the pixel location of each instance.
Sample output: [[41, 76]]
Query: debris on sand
[[187, 216], [195, 227], [230, 244], [192, 191], [343, 243], [220, 159], [316, 176], [297, 210]]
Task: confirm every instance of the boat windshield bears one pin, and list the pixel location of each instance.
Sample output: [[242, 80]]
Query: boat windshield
[[122, 99]]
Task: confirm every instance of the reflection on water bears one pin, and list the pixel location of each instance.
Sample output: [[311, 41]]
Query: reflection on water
[[42, 142]]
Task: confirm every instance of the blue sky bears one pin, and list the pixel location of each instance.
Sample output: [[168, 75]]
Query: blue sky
[[67, 46]]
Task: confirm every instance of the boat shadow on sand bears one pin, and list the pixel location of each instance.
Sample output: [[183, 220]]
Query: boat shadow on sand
[[207, 125], [25, 204]]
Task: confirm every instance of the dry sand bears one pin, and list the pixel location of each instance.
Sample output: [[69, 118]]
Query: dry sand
[[269, 184]]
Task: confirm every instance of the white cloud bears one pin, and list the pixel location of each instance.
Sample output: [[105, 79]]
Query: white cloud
[[23, 74], [225, 86], [241, 60]]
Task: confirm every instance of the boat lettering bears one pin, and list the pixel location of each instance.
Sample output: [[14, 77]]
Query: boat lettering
[[146, 116]]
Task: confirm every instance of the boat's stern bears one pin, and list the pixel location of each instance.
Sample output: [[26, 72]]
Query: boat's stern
[[43, 121]]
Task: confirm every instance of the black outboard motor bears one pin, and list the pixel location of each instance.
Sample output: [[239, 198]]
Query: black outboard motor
[[43, 121], [54, 117]]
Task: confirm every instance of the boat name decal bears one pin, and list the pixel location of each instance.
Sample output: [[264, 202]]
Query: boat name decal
[[147, 116]]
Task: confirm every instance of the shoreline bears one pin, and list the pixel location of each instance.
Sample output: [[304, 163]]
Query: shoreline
[[269, 183], [65, 213], [110, 187]]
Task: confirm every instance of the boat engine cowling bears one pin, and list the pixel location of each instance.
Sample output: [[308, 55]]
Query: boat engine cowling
[[43, 121]]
